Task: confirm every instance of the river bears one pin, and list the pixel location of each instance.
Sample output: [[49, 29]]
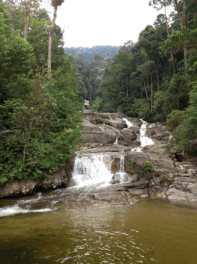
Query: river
[[41, 229], [148, 232]]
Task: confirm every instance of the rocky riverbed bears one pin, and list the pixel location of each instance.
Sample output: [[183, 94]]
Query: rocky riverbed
[[173, 179], [111, 169]]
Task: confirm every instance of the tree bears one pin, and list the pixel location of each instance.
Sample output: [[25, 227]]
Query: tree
[[55, 4], [29, 6]]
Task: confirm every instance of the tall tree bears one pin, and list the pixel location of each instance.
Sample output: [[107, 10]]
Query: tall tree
[[28, 7], [178, 6], [55, 4]]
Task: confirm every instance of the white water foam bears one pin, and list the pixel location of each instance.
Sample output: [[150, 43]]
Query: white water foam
[[92, 170], [144, 140], [129, 124], [16, 209]]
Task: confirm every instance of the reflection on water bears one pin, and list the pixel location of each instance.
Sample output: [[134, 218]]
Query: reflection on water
[[149, 232]]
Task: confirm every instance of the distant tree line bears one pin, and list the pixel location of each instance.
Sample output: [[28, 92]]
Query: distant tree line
[[104, 51]]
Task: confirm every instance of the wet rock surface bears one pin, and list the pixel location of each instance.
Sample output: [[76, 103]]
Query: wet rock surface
[[129, 181], [172, 179]]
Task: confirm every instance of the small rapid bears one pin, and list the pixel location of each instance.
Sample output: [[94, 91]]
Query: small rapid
[[129, 124], [144, 140]]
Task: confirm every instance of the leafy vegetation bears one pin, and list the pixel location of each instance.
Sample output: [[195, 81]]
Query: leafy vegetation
[[148, 166], [40, 122]]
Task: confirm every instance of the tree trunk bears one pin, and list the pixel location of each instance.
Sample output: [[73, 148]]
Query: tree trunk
[[182, 24], [168, 34], [90, 76], [151, 94], [26, 17], [146, 90], [185, 48], [157, 76], [51, 31], [24, 20], [179, 13]]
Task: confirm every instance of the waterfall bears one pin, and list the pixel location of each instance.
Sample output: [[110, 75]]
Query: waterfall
[[92, 170], [129, 124], [121, 164], [144, 140], [121, 176]]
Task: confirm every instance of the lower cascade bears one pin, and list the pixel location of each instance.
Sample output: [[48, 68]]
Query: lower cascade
[[92, 170]]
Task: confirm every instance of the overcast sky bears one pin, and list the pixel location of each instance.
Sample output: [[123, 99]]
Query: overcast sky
[[88, 23]]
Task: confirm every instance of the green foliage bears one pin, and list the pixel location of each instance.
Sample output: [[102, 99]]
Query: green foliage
[[157, 173], [141, 108], [46, 131], [184, 125], [177, 95], [96, 120], [40, 121], [148, 166], [17, 61], [95, 106], [174, 119], [163, 179]]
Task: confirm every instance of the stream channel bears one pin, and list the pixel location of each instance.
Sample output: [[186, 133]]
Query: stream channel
[[39, 229]]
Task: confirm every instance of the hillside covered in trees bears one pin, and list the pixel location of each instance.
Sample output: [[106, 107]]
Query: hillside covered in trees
[[40, 113], [155, 78], [42, 88], [104, 51]]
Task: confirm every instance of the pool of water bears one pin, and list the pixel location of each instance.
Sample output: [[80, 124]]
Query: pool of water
[[148, 232]]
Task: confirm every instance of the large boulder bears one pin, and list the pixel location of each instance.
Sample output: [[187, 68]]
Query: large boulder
[[101, 137], [132, 163], [117, 123], [128, 135], [22, 188], [17, 188], [163, 136], [98, 134]]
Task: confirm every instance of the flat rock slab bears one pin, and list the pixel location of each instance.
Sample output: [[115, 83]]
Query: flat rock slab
[[110, 148]]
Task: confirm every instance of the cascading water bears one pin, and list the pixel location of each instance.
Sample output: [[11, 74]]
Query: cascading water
[[144, 140], [92, 171], [24, 206], [129, 124]]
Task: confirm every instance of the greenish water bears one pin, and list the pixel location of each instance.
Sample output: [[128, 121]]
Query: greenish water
[[148, 232]]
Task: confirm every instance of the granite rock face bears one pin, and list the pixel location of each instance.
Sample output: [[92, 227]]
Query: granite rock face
[[172, 179]]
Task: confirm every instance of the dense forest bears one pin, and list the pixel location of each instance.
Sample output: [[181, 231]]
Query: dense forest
[[104, 51], [42, 88], [40, 122], [155, 78]]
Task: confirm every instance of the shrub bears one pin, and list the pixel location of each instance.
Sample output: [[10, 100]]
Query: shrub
[[148, 166]]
